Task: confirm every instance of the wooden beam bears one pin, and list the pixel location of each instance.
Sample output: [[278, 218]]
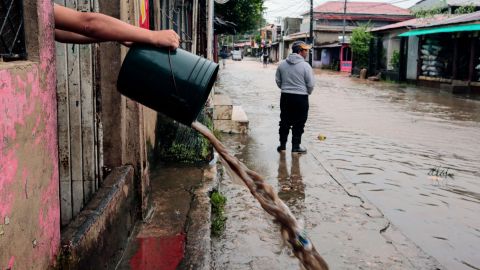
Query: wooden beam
[[455, 55]]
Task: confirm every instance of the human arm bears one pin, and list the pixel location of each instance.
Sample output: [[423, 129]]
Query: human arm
[[70, 37], [98, 27], [278, 78], [309, 78]]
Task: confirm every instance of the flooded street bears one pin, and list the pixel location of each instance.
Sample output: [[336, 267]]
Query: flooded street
[[413, 153], [394, 143]]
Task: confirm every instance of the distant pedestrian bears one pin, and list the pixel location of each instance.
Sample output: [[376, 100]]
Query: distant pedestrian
[[265, 58], [224, 56], [295, 78]]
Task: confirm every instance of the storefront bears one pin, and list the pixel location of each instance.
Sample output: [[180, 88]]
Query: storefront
[[449, 56]]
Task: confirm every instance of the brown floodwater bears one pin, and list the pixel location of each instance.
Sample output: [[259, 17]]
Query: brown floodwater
[[413, 152]]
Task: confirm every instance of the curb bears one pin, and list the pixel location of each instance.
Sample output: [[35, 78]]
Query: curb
[[198, 239]]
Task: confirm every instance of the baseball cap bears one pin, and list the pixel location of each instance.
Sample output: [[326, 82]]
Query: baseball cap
[[298, 45]]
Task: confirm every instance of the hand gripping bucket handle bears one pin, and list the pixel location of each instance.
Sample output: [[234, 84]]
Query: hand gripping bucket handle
[[175, 83]]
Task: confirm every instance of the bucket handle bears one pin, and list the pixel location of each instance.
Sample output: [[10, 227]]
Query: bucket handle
[[180, 98], [171, 73]]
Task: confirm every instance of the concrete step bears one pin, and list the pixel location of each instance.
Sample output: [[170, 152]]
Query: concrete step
[[223, 107], [238, 123], [239, 115], [96, 236]]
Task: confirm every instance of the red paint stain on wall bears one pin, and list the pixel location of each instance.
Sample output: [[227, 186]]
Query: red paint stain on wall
[[11, 262], [158, 253]]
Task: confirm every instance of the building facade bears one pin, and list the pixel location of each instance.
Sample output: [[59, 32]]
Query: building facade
[[332, 19], [440, 51], [75, 155]]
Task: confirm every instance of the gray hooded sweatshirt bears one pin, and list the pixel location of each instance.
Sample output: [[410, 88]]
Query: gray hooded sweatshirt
[[295, 76]]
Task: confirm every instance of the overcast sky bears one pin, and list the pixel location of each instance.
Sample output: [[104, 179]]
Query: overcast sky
[[293, 8]]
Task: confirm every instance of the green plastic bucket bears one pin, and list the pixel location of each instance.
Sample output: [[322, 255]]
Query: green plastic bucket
[[175, 83]]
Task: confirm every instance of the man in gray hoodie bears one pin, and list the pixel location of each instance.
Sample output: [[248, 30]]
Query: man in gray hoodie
[[295, 78]]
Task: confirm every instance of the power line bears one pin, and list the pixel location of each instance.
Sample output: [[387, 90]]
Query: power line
[[282, 9]]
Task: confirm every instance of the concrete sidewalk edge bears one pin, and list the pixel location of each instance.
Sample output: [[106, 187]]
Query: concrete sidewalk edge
[[198, 240]]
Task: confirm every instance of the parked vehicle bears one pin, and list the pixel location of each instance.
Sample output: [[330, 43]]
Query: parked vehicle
[[237, 55]]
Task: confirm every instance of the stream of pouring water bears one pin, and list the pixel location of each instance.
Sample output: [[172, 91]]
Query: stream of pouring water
[[267, 197]]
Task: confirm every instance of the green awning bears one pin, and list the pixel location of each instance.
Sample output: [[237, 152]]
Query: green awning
[[443, 29]]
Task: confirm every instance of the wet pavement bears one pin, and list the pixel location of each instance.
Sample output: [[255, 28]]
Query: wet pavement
[[398, 161], [159, 241]]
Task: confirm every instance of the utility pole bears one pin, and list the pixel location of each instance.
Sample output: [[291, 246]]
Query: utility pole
[[194, 26], [210, 45], [310, 58], [344, 14]]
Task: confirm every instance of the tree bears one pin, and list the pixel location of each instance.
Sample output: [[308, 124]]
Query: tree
[[246, 14], [360, 43]]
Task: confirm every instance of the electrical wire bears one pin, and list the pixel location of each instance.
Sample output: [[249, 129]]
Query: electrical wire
[[340, 10]]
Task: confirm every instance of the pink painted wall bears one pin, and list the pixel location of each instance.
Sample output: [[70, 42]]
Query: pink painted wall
[[29, 199]]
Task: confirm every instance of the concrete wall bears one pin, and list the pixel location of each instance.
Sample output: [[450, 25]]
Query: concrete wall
[[325, 37], [123, 119], [291, 25], [29, 199]]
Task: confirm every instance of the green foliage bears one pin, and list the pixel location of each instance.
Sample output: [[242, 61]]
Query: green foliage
[[426, 13], [360, 43], [218, 202], [179, 143], [395, 60], [465, 9], [258, 38], [183, 152], [218, 134], [246, 14]]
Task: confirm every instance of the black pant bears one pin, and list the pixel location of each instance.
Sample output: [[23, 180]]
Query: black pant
[[293, 114]]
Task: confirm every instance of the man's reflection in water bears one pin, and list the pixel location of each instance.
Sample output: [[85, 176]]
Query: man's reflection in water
[[291, 187]]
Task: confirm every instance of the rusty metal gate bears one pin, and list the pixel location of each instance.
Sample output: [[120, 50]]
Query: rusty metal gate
[[79, 125]]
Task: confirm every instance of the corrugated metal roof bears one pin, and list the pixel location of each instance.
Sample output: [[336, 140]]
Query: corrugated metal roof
[[463, 2], [465, 18], [415, 23], [361, 8], [454, 2], [360, 17]]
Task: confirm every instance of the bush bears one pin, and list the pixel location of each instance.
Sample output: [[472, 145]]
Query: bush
[[360, 43], [395, 60]]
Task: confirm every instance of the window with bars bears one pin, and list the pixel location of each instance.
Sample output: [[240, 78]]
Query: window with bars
[[12, 36]]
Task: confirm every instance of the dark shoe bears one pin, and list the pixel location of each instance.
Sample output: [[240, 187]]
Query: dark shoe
[[299, 149], [281, 148]]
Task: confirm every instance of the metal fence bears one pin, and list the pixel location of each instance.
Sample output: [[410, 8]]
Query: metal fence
[[12, 35]]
